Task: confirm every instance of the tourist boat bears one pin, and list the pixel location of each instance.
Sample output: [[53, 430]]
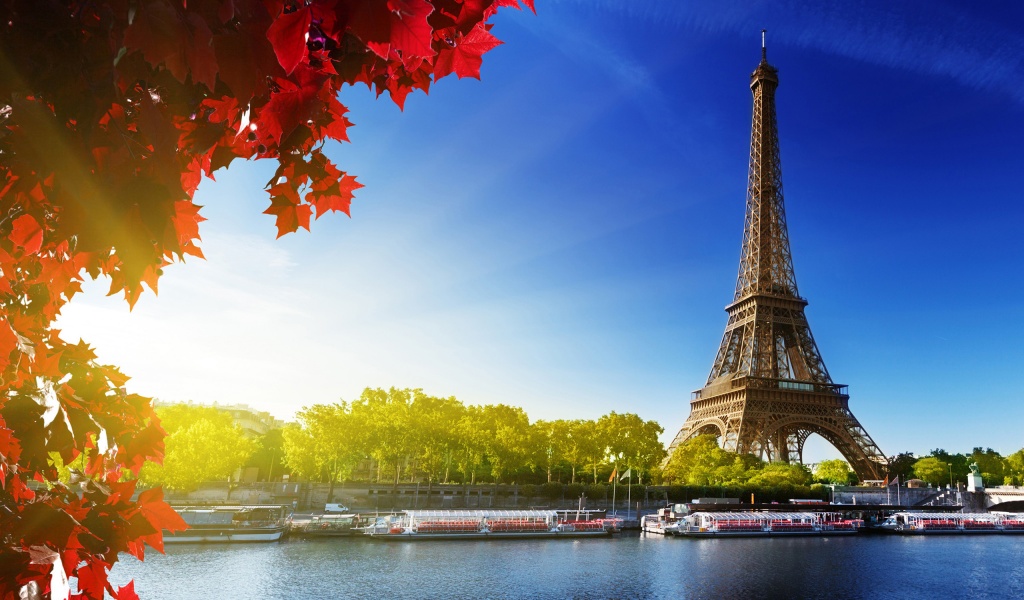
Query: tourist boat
[[666, 521], [765, 524], [923, 523], [483, 524], [325, 525], [229, 524]]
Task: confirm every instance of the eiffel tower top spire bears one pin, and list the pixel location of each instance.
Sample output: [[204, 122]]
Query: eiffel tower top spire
[[766, 265]]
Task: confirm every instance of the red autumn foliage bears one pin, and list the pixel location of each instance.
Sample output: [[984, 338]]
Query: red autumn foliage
[[111, 112]]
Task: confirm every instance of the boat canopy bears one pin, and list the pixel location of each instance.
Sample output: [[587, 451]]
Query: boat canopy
[[207, 517], [953, 517], [481, 514], [764, 517]]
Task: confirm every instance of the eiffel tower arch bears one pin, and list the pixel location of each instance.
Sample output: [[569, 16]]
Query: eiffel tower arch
[[769, 390]]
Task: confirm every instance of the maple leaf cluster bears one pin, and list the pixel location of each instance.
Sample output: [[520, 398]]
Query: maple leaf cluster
[[111, 112]]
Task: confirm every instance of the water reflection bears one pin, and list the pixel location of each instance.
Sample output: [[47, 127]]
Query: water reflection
[[630, 566]]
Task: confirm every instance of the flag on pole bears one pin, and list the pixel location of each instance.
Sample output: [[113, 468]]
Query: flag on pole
[[614, 473], [628, 473]]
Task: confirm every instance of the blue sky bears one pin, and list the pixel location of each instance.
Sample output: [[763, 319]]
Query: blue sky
[[564, 234]]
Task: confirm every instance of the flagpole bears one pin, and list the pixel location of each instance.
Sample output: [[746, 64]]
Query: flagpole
[[615, 480], [629, 492]]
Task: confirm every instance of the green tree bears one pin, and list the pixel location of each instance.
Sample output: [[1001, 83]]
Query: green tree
[[833, 471], [632, 441], [958, 464], [697, 460], [269, 455], [776, 474], [1015, 467], [300, 452], [932, 470], [432, 427], [472, 440], [507, 441], [202, 444], [902, 466], [328, 444], [580, 443], [387, 419], [549, 441], [991, 464]]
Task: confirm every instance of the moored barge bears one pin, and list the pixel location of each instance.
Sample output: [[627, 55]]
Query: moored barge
[[766, 524], [325, 525], [930, 523], [221, 524], [483, 524], [666, 521]]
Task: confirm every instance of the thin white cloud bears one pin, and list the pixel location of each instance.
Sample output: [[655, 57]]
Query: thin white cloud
[[942, 40]]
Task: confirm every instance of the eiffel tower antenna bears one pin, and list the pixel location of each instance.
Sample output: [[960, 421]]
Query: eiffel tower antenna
[[769, 390]]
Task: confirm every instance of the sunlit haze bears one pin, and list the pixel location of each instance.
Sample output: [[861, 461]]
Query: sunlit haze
[[564, 234]]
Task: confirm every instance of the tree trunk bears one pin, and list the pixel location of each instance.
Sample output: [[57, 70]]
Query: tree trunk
[[574, 473]]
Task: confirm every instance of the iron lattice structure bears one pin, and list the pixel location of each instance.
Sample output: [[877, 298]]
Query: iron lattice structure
[[769, 389]]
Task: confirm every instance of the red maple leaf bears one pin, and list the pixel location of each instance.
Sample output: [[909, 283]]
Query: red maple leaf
[[180, 42], [410, 32], [127, 592], [160, 516], [288, 35], [295, 103], [27, 234], [288, 208], [465, 53], [370, 21], [246, 58]]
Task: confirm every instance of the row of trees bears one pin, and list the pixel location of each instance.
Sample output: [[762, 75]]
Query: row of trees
[[202, 444], [700, 461], [403, 434], [941, 467], [410, 434]]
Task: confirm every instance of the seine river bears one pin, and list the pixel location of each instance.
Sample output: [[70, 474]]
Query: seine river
[[627, 566]]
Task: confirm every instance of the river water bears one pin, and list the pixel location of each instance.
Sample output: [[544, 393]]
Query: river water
[[626, 566]]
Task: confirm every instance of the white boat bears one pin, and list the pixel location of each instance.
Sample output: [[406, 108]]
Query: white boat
[[325, 525], [930, 523], [766, 524], [666, 521], [483, 524], [220, 524]]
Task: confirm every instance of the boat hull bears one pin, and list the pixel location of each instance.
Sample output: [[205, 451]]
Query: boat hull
[[487, 535], [224, 535], [955, 531], [747, 534]]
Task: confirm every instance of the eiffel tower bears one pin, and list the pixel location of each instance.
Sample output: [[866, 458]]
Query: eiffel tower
[[769, 389]]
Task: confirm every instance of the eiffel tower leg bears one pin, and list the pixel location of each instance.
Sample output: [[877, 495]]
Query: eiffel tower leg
[[841, 429], [800, 446]]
